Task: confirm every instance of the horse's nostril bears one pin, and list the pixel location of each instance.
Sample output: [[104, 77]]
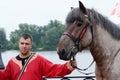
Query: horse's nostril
[[63, 51]]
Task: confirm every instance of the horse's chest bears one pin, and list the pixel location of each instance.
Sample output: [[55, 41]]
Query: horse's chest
[[111, 71]]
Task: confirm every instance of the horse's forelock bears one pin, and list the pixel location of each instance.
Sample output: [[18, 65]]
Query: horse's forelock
[[74, 14]]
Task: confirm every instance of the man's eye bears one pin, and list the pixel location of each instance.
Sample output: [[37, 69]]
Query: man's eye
[[22, 43], [27, 43]]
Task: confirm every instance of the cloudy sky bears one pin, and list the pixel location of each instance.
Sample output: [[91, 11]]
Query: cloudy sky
[[40, 12]]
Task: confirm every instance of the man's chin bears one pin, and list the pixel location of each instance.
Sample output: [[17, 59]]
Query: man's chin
[[24, 53]]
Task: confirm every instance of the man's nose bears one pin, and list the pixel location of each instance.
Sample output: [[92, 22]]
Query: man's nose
[[24, 45]]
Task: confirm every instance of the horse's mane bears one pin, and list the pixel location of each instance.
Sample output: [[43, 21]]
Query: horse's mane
[[109, 26]]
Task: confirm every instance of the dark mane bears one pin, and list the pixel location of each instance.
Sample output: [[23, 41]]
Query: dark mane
[[109, 26]]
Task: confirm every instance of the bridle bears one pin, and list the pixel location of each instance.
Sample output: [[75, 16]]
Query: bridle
[[77, 42], [78, 39]]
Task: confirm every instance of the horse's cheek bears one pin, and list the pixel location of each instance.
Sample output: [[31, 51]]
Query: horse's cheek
[[87, 39]]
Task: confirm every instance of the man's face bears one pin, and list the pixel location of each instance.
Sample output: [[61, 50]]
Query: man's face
[[25, 45]]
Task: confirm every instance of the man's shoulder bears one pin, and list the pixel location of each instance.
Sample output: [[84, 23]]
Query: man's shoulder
[[38, 56]]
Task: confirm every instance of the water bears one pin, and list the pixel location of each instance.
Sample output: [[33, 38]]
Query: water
[[84, 59]]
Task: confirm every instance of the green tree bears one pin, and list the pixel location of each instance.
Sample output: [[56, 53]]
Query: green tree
[[34, 30], [3, 40], [52, 34], [44, 37]]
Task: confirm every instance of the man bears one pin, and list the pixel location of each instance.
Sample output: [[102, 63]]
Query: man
[[36, 68]]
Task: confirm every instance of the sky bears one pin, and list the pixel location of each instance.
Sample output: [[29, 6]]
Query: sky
[[40, 12]]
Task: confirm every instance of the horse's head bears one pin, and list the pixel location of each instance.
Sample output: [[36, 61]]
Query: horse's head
[[78, 34]]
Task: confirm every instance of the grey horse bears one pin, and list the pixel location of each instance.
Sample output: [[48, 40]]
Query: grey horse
[[88, 29]]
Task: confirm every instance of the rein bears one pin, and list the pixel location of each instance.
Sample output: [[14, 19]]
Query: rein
[[113, 58], [81, 70]]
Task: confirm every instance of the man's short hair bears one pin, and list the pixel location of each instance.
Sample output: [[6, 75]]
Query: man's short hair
[[26, 36]]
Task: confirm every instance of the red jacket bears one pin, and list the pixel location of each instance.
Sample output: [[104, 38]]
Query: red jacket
[[35, 70]]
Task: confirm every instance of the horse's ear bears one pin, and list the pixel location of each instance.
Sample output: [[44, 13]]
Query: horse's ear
[[72, 8], [82, 7]]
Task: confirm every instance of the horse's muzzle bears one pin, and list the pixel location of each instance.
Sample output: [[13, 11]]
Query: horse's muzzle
[[64, 55]]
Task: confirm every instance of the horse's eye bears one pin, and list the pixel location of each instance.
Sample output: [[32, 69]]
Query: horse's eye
[[79, 24]]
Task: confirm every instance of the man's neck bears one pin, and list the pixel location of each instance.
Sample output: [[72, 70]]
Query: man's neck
[[24, 55]]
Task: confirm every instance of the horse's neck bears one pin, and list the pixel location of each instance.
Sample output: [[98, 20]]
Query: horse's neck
[[104, 46]]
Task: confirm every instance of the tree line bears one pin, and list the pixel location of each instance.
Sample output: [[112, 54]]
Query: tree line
[[44, 37]]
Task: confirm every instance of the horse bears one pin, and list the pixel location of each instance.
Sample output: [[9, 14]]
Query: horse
[[87, 29]]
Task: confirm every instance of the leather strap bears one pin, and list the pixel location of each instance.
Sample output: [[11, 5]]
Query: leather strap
[[23, 68]]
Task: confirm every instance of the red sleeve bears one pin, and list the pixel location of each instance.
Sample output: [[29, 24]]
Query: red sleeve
[[5, 74], [1, 75], [53, 70]]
